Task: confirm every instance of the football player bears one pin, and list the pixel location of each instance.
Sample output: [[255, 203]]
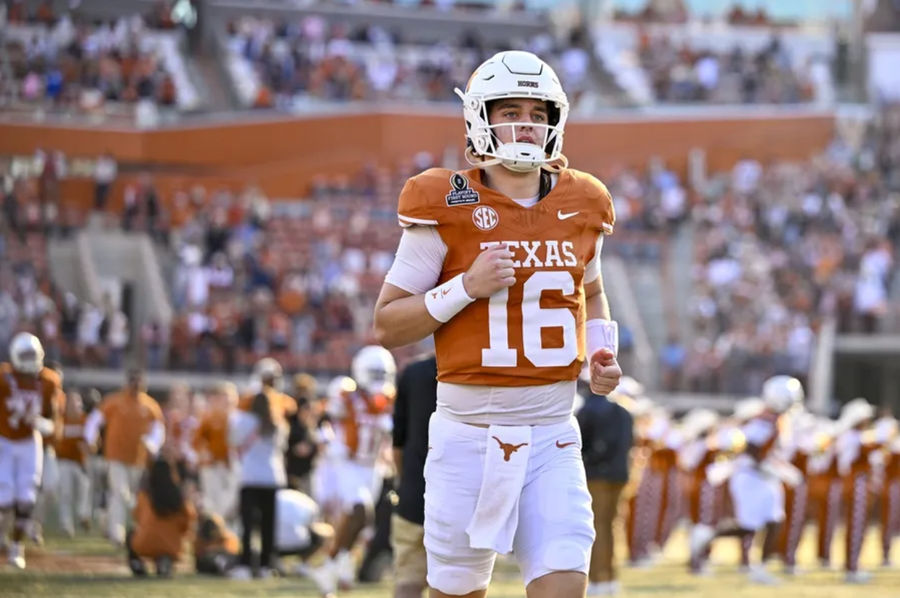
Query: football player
[[501, 263], [29, 398], [361, 416]]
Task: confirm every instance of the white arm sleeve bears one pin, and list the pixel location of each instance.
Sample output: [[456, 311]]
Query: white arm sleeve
[[592, 268], [92, 426], [155, 438], [419, 259]]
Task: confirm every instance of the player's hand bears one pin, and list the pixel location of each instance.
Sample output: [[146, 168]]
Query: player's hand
[[605, 372], [491, 271]]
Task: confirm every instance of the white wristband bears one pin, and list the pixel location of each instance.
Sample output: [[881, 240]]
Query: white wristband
[[602, 334], [446, 300]]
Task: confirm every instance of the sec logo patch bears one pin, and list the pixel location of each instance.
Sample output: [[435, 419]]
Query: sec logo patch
[[485, 217]]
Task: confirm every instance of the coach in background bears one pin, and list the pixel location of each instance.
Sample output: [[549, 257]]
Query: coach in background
[[416, 401], [606, 436], [135, 432]]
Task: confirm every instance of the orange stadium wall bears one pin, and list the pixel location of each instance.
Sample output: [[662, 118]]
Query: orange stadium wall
[[284, 156]]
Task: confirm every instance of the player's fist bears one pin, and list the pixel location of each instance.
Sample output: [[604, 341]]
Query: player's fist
[[491, 271], [605, 372]]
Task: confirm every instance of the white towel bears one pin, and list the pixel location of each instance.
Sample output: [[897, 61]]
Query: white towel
[[496, 516]]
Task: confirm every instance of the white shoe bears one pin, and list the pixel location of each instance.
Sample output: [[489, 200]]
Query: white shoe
[[325, 578], [16, 555], [701, 536], [761, 575], [345, 570], [241, 573], [857, 577]]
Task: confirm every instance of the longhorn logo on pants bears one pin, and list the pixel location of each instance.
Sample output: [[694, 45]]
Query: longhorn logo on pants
[[508, 449]]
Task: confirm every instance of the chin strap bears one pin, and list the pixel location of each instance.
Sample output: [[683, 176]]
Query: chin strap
[[478, 161]]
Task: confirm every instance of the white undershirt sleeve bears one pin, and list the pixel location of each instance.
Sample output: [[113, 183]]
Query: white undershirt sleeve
[[592, 268], [92, 426], [418, 261]]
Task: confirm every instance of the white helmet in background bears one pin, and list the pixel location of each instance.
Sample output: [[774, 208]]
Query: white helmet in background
[[514, 74], [375, 370], [628, 387], [266, 369], [698, 422], [26, 353], [780, 393], [337, 389], [855, 412], [747, 409]]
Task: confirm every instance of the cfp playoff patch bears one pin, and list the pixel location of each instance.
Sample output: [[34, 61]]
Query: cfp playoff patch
[[461, 194]]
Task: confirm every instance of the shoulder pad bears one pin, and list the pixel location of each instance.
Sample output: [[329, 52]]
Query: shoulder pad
[[424, 195], [48, 376], [597, 199]]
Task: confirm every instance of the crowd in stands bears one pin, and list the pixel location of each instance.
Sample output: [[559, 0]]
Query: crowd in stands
[[683, 74], [277, 63], [69, 61], [781, 247]]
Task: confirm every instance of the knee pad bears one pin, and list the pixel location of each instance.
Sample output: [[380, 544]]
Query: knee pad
[[459, 575]]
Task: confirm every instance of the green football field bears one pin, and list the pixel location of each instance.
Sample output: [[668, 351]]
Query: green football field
[[90, 567]]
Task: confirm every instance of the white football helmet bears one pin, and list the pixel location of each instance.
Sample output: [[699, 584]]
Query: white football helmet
[[267, 368], [780, 393], [26, 353], [855, 412], [374, 370], [628, 387], [747, 409], [337, 388], [698, 422], [514, 74]]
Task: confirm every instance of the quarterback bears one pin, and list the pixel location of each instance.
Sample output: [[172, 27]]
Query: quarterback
[[502, 264]]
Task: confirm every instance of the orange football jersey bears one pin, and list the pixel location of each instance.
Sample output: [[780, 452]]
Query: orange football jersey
[[211, 438], [71, 445], [533, 332], [23, 397]]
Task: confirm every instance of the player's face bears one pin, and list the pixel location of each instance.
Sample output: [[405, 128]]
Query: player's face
[[521, 115]]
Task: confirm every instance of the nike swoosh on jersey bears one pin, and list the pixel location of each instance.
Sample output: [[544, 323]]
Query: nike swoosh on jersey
[[564, 444], [563, 216]]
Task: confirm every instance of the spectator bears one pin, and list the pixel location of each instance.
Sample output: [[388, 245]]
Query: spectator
[[163, 520], [259, 437], [105, 172]]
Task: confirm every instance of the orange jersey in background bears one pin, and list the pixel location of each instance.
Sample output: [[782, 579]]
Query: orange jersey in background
[[71, 445], [211, 438], [23, 397], [128, 418]]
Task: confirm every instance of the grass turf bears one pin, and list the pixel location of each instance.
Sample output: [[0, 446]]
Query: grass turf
[[88, 566]]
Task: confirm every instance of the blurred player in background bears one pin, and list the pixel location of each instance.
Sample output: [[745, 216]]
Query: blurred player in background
[[74, 490], [361, 416], [502, 264], [30, 395]]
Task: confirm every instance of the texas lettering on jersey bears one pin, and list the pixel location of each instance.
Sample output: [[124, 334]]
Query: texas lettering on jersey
[[533, 332]]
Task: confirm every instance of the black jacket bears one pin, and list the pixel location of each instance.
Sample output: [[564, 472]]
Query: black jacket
[[607, 433]]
